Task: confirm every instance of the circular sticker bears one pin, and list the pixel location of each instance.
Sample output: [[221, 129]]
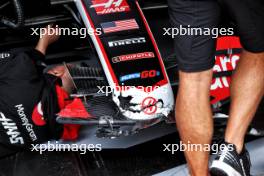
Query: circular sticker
[[149, 105]]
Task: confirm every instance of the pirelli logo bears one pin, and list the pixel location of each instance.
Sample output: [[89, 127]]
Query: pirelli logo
[[125, 42]]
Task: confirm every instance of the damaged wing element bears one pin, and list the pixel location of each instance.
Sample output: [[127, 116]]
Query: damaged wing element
[[145, 105], [138, 64]]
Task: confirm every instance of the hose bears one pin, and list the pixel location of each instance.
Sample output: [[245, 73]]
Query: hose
[[19, 22]]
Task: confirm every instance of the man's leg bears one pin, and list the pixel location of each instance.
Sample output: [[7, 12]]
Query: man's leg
[[194, 117], [247, 90], [195, 58], [247, 86]]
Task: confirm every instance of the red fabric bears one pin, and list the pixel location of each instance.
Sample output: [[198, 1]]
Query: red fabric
[[70, 131], [75, 109], [227, 42], [62, 96], [37, 116]]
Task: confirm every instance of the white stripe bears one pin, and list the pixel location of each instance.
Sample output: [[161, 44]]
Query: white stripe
[[225, 167], [116, 30], [129, 21], [127, 25], [229, 156], [119, 29], [126, 20]]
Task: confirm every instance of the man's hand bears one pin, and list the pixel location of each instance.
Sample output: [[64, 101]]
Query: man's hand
[[47, 39]]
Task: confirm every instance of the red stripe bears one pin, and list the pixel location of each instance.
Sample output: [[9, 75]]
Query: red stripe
[[113, 29], [120, 28], [165, 81], [125, 25], [126, 22], [116, 30]]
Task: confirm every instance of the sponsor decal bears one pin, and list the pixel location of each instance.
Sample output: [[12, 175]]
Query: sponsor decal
[[103, 7], [149, 74], [142, 75], [135, 56], [149, 105], [25, 122], [228, 52], [121, 25], [4, 55], [124, 42], [129, 77], [220, 87], [224, 64], [11, 130]]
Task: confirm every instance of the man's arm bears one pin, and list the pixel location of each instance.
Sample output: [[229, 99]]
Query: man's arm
[[46, 40]]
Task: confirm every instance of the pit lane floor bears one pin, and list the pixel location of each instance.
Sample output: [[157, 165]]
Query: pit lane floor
[[141, 160]]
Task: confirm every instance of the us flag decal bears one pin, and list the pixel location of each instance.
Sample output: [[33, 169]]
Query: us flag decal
[[121, 25], [103, 7]]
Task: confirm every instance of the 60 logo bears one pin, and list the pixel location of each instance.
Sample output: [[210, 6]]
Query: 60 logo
[[149, 74]]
